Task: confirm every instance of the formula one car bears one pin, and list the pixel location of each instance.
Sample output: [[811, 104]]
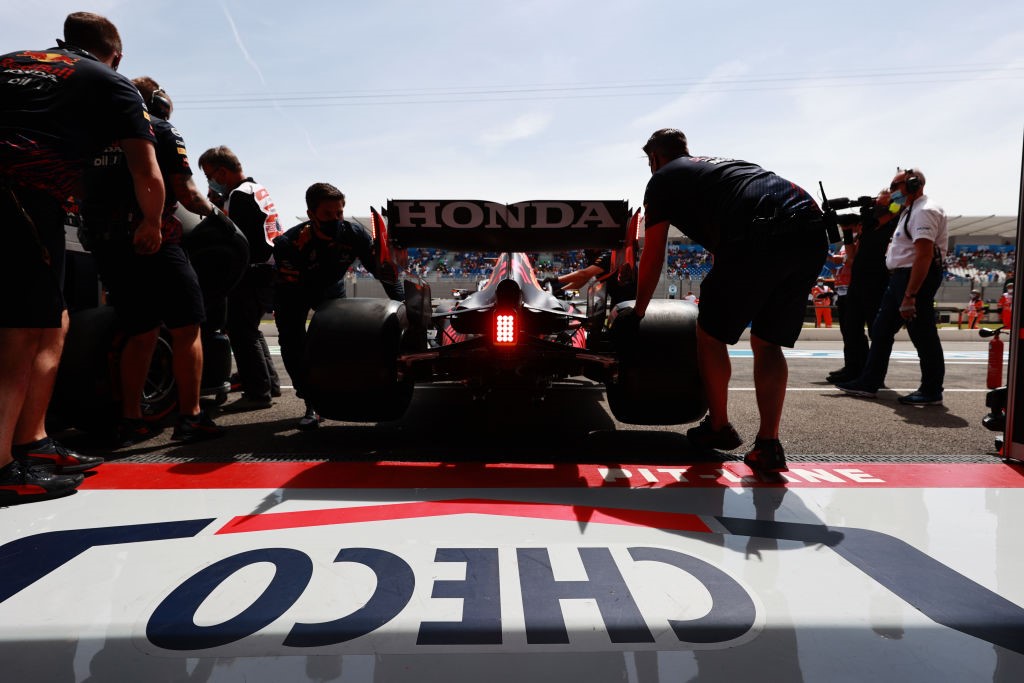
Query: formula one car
[[366, 355]]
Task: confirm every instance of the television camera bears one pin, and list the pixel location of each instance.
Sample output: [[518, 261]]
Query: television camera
[[867, 214]]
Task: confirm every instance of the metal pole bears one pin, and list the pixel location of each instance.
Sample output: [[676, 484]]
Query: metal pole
[[1013, 446]]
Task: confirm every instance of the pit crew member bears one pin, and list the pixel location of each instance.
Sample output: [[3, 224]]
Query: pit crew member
[[769, 245], [249, 205], [621, 283], [149, 289], [58, 107], [310, 262]]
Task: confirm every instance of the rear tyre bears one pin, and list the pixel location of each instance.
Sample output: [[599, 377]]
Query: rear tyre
[[658, 380], [160, 393], [352, 350], [218, 252], [83, 395]]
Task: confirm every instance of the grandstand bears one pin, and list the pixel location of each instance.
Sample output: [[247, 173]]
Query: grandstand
[[982, 256]]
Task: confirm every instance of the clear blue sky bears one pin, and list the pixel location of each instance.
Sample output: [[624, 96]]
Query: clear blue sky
[[551, 99]]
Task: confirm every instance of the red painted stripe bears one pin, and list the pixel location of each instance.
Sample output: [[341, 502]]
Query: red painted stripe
[[24, 489], [432, 475], [377, 513]]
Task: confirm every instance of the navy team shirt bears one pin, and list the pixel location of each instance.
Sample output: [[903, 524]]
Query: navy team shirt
[[705, 197], [58, 108]]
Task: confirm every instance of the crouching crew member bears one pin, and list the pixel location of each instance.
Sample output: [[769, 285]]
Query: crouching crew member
[[310, 262]]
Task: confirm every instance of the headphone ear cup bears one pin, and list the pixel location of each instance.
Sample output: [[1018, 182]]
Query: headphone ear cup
[[160, 106], [913, 183]]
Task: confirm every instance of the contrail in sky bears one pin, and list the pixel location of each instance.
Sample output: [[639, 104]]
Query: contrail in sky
[[259, 72], [241, 45]]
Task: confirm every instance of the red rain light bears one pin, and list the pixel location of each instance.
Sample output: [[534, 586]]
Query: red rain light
[[504, 329]]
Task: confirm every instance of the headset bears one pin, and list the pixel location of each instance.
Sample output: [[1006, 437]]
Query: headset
[[912, 180], [160, 104]]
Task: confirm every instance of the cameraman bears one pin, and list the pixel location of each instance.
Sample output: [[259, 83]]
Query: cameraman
[[867, 241]]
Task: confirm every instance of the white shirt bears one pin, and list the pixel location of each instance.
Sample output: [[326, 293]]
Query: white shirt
[[924, 220]]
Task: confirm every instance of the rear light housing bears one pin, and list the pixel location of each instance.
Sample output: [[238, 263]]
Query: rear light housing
[[505, 328], [508, 301]]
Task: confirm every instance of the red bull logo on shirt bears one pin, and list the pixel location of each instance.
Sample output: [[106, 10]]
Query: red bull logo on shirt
[[49, 57]]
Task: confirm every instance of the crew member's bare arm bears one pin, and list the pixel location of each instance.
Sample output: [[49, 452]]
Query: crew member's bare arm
[[652, 260], [149, 192], [190, 196], [576, 279]]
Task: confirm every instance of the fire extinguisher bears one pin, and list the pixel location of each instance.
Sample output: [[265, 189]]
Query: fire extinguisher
[[995, 358]]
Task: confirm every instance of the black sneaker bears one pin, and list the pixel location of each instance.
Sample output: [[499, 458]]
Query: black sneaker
[[919, 398], [25, 483], [310, 421], [196, 428], [247, 403], [841, 376], [857, 389], [49, 454], [131, 431], [767, 456], [704, 436]]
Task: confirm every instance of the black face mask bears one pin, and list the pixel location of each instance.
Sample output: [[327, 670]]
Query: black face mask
[[329, 229]]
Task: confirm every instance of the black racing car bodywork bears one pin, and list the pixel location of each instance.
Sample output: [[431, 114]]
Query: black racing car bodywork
[[367, 354]]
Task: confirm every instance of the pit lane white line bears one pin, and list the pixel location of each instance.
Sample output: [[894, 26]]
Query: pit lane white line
[[896, 355], [897, 390], [966, 357]]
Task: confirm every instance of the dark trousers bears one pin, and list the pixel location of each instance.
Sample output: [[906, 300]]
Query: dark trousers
[[859, 307], [247, 303], [922, 330], [291, 310], [32, 277]]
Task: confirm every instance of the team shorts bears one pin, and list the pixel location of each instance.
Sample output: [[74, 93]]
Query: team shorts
[[32, 276], [146, 291], [764, 287]]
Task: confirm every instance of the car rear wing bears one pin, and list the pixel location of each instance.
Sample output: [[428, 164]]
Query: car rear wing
[[474, 225]]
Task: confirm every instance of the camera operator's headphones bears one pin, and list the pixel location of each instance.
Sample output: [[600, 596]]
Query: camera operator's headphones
[[912, 181], [160, 105]]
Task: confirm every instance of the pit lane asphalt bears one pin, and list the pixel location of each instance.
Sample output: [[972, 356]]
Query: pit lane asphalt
[[573, 423]]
